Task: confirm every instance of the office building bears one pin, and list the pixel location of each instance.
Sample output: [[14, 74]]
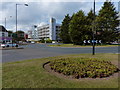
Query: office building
[[50, 30]]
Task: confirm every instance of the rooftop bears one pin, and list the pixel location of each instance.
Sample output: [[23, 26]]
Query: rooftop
[[2, 28]]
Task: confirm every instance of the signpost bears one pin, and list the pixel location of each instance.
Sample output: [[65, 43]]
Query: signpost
[[93, 51]]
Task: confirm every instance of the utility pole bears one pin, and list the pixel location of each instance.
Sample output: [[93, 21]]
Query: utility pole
[[16, 22], [5, 22], [5, 31], [93, 51]]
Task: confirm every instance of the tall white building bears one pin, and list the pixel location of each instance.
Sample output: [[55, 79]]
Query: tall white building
[[50, 31]]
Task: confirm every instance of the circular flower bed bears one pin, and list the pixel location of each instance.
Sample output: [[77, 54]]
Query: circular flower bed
[[83, 67]]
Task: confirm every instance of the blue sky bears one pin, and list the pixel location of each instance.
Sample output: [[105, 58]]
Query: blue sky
[[38, 13]]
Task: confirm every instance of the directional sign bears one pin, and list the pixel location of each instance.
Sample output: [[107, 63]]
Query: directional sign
[[96, 41], [84, 41], [99, 41], [88, 41], [93, 41]]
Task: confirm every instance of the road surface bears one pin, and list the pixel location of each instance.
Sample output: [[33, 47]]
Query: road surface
[[32, 51]]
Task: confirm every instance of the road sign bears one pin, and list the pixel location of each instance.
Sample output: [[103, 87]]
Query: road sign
[[99, 41], [93, 41], [84, 41], [96, 41], [88, 41]]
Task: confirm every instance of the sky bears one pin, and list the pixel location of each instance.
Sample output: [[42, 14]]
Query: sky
[[39, 12]]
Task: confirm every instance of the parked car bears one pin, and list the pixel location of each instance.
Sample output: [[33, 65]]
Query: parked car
[[9, 45], [115, 43], [32, 42]]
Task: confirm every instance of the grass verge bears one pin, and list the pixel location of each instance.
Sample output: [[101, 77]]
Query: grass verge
[[71, 45], [31, 74]]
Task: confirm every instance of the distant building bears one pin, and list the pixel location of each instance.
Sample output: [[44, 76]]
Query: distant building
[[20, 34], [26, 36], [33, 34], [4, 35], [30, 34], [50, 31]]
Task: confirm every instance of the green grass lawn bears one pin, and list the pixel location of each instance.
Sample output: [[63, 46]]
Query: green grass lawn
[[71, 45], [31, 74]]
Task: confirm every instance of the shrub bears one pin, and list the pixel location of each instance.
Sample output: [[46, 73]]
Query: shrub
[[42, 41], [48, 41], [83, 67]]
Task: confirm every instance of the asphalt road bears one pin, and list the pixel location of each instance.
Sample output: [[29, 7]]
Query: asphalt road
[[32, 51]]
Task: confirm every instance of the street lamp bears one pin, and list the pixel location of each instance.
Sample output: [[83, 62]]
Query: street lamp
[[6, 21], [16, 16], [6, 29], [93, 51]]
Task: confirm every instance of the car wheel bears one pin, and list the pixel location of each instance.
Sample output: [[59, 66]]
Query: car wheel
[[16, 45], [7, 45]]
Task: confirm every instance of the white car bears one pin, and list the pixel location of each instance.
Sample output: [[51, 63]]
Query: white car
[[9, 45], [32, 42]]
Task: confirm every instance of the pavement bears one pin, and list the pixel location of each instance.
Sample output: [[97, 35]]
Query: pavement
[[33, 51]]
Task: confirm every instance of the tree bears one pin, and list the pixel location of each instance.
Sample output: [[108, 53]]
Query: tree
[[77, 28], [20, 36], [107, 22], [64, 31], [90, 18], [10, 33]]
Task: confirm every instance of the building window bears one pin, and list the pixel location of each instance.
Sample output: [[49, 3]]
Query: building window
[[3, 34]]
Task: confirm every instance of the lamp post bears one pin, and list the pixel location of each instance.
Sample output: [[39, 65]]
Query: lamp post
[[5, 22], [16, 16], [6, 28], [93, 51]]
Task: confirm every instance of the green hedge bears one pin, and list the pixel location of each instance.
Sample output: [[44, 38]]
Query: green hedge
[[83, 67], [48, 41]]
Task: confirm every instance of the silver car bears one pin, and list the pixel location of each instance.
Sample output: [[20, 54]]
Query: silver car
[[9, 45]]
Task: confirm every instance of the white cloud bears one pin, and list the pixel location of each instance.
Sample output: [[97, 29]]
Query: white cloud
[[42, 23], [56, 0], [40, 12]]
